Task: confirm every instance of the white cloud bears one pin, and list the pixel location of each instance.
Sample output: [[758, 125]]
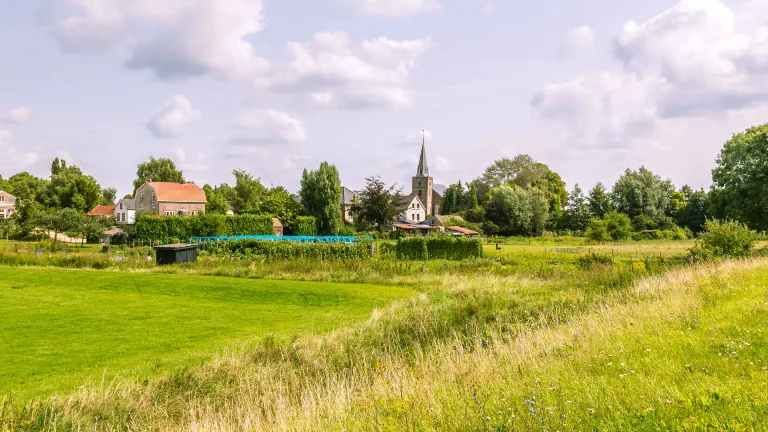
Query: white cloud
[[688, 61], [187, 164], [396, 8], [334, 73], [9, 153], [259, 127], [172, 119], [170, 38], [578, 40], [16, 115]]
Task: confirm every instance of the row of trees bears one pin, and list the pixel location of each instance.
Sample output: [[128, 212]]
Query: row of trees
[[513, 196]]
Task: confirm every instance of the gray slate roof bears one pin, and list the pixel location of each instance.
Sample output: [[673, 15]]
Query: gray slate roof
[[128, 204], [439, 189], [423, 169], [347, 196]]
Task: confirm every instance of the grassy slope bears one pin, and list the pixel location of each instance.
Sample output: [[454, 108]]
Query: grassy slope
[[60, 327], [683, 351]]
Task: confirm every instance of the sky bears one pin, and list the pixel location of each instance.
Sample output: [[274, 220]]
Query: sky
[[590, 87]]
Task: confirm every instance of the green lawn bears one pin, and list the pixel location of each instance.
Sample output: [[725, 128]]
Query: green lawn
[[61, 328]]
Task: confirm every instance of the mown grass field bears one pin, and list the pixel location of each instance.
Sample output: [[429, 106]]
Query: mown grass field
[[61, 328]]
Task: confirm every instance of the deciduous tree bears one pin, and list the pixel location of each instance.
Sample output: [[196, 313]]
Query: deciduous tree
[[157, 170], [741, 177], [321, 196], [379, 204]]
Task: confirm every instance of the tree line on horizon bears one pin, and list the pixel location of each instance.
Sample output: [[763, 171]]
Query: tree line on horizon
[[513, 196]]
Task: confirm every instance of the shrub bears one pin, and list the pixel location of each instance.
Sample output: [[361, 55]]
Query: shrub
[[387, 249], [150, 227], [278, 250], [305, 226], [619, 226], [598, 231], [413, 248], [441, 247], [586, 261], [724, 239]]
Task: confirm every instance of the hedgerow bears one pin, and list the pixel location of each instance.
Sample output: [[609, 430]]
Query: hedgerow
[[278, 250], [447, 248], [305, 226], [149, 227]]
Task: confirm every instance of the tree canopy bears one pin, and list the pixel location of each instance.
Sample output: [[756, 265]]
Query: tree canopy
[[157, 170], [643, 193], [321, 196], [379, 204], [741, 177]]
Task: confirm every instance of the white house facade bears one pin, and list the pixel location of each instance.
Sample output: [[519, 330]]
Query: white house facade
[[125, 211], [415, 212], [7, 204]]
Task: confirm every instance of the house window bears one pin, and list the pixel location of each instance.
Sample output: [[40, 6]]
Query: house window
[[194, 212], [2, 216], [121, 206], [142, 197], [123, 217], [170, 213], [2, 198], [154, 197], [418, 206]]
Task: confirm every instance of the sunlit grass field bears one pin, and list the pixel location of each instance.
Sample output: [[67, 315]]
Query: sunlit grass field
[[60, 328]]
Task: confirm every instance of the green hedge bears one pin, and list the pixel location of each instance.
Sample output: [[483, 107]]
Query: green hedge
[[414, 248], [447, 248], [305, 226], [149, 227], [277, 250]]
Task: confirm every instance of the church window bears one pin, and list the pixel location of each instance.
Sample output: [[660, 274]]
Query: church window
[[419, 192]]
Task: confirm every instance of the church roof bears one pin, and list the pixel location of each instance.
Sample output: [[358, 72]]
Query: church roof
[[439, 189], [423, 169]]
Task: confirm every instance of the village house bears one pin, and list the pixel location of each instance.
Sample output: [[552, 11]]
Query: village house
[[348, 199], [414, 212], [125, 211], [7, 204], [105, 211], [170, 199]]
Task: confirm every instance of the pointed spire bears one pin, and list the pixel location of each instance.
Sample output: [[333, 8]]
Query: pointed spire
[[423, 169]]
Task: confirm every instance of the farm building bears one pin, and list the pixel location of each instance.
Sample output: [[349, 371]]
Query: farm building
[[348, 199], [7, 204], [102, 211], [125, 211], [461, 231], [278, 227], [170, 199]]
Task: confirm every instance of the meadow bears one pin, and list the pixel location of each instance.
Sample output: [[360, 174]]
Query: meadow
[[543, 335], [62, 328]]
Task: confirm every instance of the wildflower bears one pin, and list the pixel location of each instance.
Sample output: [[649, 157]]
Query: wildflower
[[533, 411], [591, 411], [487, 417]]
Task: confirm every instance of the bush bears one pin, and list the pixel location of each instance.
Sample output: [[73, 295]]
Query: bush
[[278, 250], [442, 247], [598, 231], [305, 226], [586, 261], [387, 249], [724, 239], [413, 248], [150, 227]]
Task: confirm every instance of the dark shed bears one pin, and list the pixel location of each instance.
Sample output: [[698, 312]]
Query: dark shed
[[176, 254]]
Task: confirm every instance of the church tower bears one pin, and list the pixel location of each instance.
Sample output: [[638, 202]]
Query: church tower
[[422, 182]]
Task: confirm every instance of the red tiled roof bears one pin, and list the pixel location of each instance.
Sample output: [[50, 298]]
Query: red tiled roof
[[103, 210], [177, 192], [276, 223], [462, 230]]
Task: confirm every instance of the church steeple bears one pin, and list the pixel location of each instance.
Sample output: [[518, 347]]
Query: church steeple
[[423, 169]]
